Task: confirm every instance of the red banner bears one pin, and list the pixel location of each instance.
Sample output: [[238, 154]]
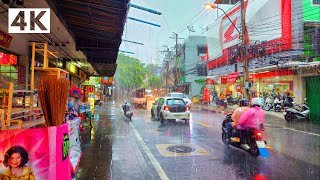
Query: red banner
[[8, 59], [232, 77], [5, 39]]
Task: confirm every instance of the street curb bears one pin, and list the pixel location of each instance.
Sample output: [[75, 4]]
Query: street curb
[[214, 110]]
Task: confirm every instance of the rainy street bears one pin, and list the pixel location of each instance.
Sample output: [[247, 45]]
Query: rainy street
[[141, 149]]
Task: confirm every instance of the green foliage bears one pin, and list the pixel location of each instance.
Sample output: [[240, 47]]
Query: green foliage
[[130, 72], [152, 69], [155, 82]]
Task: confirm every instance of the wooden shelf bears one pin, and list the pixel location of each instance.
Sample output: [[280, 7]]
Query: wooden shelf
[[28, 124]]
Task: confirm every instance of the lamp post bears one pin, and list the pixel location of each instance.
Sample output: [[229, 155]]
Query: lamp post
[[243, 37]]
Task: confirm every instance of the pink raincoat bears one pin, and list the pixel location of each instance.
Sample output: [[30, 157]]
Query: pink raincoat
[[252, 118]]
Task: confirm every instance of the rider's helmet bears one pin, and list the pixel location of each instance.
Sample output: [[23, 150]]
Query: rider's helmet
[[256, 102]]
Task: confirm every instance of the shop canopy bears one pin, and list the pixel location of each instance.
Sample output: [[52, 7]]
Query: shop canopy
[[97, 27]]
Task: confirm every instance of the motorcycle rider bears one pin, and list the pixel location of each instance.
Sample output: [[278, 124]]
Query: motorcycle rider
[[243, 107], [253, 118], [125, 107]]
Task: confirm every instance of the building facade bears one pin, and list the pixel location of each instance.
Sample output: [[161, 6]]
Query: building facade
[[283, 42]]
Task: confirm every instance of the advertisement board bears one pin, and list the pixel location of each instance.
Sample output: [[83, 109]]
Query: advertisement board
[[8, 59], [88, 95], [268, 27], [43, 153], [311, 10]]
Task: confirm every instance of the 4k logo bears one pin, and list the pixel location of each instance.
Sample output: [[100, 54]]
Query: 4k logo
[[29, 20]]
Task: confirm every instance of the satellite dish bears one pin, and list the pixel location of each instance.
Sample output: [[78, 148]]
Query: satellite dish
[[190, 28]]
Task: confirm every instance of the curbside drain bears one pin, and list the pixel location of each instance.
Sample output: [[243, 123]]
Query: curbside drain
[[180, 149]]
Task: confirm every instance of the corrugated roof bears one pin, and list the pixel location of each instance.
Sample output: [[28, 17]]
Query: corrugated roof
[[97, 27]]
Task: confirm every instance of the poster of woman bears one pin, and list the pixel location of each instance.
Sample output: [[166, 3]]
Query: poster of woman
[[15, 159], [37, 153]]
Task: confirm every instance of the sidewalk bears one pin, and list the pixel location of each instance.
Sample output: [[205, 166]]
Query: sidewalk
[[230, 109], [110, 150]]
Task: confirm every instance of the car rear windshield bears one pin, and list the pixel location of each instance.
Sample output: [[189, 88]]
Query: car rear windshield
[[175, 102], [177, 95]]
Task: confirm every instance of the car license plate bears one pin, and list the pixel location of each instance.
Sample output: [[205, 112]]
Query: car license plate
[[261, 144], [284, 113], [178, 116]]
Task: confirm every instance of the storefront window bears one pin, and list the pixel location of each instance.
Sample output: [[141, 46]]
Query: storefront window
[[9, 71]]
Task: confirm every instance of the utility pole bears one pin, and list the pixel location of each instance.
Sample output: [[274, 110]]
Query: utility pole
[[175, 61], [167, 67], [244, 45]]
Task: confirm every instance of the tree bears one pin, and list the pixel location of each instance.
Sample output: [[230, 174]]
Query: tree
[[130, 73], [154, 82]]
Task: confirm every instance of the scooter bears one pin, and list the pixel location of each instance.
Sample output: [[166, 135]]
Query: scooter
[[268, 106], [232, 101], [253, 138], [219, 103], [127, 112], [297, 112], [278, 105]]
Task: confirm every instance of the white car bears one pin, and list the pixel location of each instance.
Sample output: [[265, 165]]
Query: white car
[[180, 95], [170, 108]]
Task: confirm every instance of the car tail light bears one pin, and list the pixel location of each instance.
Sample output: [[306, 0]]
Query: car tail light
[[188, 108], [166, 108]]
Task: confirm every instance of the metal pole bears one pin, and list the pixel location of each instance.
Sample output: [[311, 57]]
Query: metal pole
[[244, 45], [175, 64]]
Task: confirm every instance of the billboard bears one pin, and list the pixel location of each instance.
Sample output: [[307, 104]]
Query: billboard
[[311, 10], [35, 153], [268, 27]]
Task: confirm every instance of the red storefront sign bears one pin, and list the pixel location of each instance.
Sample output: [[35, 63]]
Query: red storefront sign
[[5, 39], [209, 81], [271, 74], [232, 77], [8, 59]]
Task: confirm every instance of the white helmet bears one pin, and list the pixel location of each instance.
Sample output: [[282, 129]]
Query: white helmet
[[256, 102]]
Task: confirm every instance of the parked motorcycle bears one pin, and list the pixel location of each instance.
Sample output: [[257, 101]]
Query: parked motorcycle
[[297, 112], [253, 138], [232, 101], [127, 112], [268, 104], [278, 105], [288, 102], [219, 103]]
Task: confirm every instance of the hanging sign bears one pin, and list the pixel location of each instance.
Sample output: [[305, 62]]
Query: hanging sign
[[90, 94], [5, 39], [232, 77]]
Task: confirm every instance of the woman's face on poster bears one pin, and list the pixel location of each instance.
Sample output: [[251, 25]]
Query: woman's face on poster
[[15, 160]]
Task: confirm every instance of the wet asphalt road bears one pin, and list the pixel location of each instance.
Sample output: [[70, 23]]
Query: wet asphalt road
[[138, 149]]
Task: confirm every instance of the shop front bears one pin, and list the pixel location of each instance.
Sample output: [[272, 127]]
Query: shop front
[[268, 82], [235, 84]]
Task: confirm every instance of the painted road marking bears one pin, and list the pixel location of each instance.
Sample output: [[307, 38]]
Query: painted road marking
[[291, 129], [153, 160], [268, 147], [203, 124], [314, 134]]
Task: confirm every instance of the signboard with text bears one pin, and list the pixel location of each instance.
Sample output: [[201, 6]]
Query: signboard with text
[[224, 41]]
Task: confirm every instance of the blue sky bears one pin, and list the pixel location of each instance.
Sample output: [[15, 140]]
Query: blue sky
[[176, 16]]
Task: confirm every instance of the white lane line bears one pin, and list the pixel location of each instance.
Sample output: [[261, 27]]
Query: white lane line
[[314, 134], [153, 160]]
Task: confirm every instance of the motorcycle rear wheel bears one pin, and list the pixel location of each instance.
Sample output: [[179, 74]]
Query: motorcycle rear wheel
[[224, 138], [288, 117], [254, 151]]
